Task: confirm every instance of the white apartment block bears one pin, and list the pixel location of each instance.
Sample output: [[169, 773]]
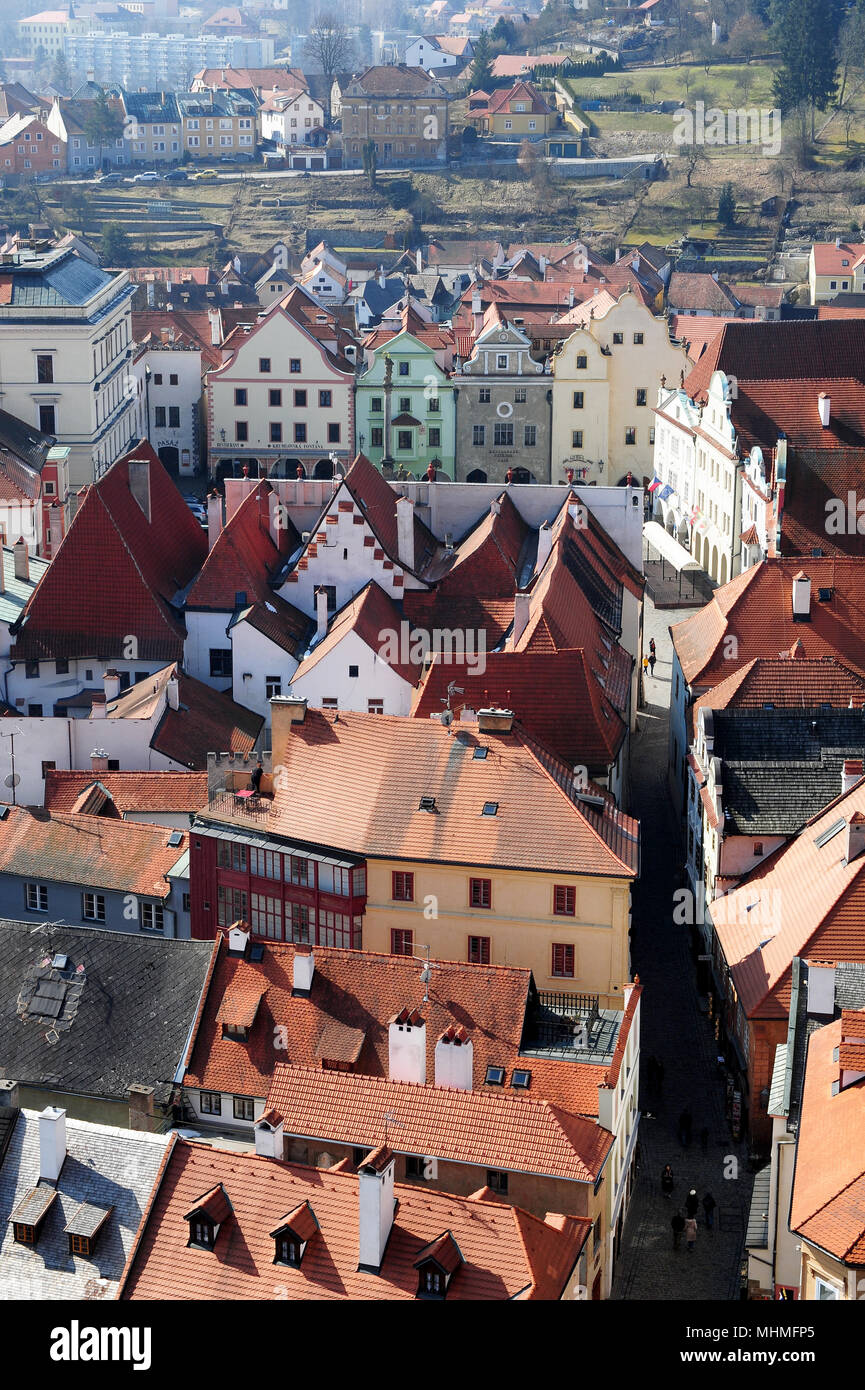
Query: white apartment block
[[162, 61]]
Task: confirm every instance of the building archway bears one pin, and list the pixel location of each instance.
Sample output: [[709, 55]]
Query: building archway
[[714, 570], [477, 475], [169, 457], [682, 533], [722, 577], [522, 475], [670, 523], [323, 469]]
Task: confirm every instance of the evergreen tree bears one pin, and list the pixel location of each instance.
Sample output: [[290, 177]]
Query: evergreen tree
[[727, 206], [806, 32], [116, 249], [481, 72]]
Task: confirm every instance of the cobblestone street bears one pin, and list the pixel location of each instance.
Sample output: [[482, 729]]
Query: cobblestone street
[[676, 1032]]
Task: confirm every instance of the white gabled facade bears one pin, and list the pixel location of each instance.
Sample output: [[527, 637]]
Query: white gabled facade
[[355, 676], [169, 378]]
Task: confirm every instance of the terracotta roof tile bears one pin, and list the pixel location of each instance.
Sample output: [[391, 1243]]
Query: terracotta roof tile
[[370, 615], [93, 851], [803, 683], [506, 1252], [131, 792], [244, 556]]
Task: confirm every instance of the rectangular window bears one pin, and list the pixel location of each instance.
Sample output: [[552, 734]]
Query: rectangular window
[[618, 337], [220, 661], [300, 398], [563, 962], [502, 361], [582, 361], [375, 706], [93, 907], [480, 892], [376, 437], [325, 399], [240, 395], [630, 435], [264, 364], [299, 870], [37, 897], [275, 432], [578, 400], [641, 395], [266, 917], [46, 768], [484, 395], [434, 438], [564, 900], [405, 404], [333, 433], [174, 417], [294, 365], [401, 942], [299, 433], [31, 670], [230, 854], [44, 370], [244, 1108], [520, 394], [375, 405], [434, 405], [300, 921], [403, 439], [241, 431], [272, 687], [47, 422], [403, 887], [265, 863], [638, 338], [232, 906], [159, 414], [211, 1103], [530, 436], [274, 398], [403, 368], [479, 950], [497, 1181], [503, 435], [152, 917], [478, 435]]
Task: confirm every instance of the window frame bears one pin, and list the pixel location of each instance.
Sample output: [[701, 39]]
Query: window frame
[[480, 889]]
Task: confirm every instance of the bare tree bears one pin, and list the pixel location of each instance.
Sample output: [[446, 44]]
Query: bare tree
[[331, 46], [692, 156]]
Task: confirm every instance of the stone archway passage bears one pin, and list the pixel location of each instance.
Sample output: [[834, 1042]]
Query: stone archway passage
[[477, 475]]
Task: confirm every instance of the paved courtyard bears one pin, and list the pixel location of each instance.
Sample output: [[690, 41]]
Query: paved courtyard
[[676, 1032]]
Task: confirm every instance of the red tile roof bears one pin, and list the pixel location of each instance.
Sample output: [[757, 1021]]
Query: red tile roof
[[507, 1253], [828, 1200], [376, 501], [116, 573], [700, 290], [92, 851], [131, 792], [189, 326], [491, 1129], [803, 900], [829, 259], [365, 775], [357, 993], [244, 556], [818, 481], [756, 608], [500, 100], [206, 722], [787, 683], [371, 615]]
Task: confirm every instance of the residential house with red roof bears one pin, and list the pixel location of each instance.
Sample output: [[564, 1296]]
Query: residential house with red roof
[[405, 404], [356, 1031], [805, 900], [333, 1234], [434, 819], [93, 870], [759, 393], [151, 798], [283, 397], [515, 113], [835, 268]]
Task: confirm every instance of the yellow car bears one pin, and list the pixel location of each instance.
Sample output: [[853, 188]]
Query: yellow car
[[204, 176]]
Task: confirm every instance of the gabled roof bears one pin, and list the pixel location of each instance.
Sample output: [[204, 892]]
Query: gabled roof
[[116, 572], [206, 720], [371, 615], [828, 1200], [133, 793], [354, 994], [377, 500], [804, 900], [757, 609], [105, 1182], [244, 556], [830, 259], [106, 1039], [365, 775], [802, 350], [489, 1128], [500, 101], [790, 681], [95, 852], [700, 290], [507, 1253], [393, 80]]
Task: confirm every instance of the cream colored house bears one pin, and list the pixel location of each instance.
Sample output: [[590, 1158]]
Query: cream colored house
[[835, 267], [290, 117], [605, 381]]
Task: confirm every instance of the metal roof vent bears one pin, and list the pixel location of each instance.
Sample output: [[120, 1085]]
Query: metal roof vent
[[427, 803]]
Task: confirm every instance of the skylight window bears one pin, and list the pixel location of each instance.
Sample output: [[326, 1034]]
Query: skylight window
[[491, 808], [427, 803], [175, 839], [521, 1080], [495, 1076], [829, 834], [480, 753]]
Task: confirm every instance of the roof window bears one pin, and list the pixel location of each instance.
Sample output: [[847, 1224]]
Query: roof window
[[495, 1076]]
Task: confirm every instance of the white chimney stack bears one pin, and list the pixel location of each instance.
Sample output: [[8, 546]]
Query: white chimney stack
[[111, 684], [545, 545], [269, 1135], [454, 1057], [22, 562], [821, 989], [405, 531], [304, 969], [801, 596], [824, 403], [407, 1047], [320, 613], [381, 277], [418, 261], [275, 518], [522, 608], [855, 836], [172, 690], [214, 519], [52, 1143], [571, 297], [375, 1207]]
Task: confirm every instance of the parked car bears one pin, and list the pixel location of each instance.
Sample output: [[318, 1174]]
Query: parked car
[[109, 178], [176, 176], [150, 176], [198, 509], [204, 176], [45, 176]]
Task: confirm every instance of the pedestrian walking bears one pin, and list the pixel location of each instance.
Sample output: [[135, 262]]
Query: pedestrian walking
[[685, 1123], [709, 1205], [652, 646], [677, 1222], [691, 1233], [645, 664], [704, 1138], [692, 1203], [652, 660], [667, 1181]]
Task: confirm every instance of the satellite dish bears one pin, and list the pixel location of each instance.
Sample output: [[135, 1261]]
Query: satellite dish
[[11, 780]]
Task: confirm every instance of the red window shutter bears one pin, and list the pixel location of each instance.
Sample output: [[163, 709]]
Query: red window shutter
[[479, 950], [565, 900], [481, 892], [563, 961], [401, 942], [403, 887]]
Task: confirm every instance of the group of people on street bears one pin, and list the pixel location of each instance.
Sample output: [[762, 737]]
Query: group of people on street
[[649, 661], [686, 1223]]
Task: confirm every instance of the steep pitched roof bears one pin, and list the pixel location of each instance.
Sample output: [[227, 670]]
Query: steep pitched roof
[[244, 556], [817, 481], [371, 615], [206, 721], [123, 856], [489, 1128], [786, 682], [757, 609], [132, 792], [117, 572], [700, 290], [507, 1253], [804, 900], [802, 350], [828, 1200], [106, 1038], [377, 501]]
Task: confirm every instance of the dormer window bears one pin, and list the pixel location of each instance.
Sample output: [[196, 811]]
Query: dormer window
[[83, 1228], [235, 1030], [207, 1216], [31, 1211], [202, 1232], [293, 1234], [437, 1263]]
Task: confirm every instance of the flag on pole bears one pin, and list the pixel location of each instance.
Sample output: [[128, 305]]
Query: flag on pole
[[666, 491], [654, 484]]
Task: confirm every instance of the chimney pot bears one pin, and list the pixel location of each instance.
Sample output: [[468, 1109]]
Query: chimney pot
[[407, 1049], [214, 519], [269, 1135], [375, 1179], [801, 597], [9, 1098], [495, 721], [111, 684], [99, 760], [405, 531], [303, 970], [522, 609], [855, 836], [320, 613], [22, 560], [824, 404], [454, 1056], [172, 690]]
